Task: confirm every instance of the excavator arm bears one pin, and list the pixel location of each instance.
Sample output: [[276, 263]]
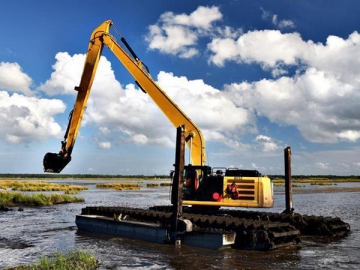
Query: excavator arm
[[56, 162]]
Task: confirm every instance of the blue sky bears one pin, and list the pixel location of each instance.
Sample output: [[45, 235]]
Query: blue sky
[[256, 76]]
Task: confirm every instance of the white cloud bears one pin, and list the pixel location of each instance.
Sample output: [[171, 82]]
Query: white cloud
[[27, 119], [129, 115], [322, 166], [273, 50], [173, 40], [178, 34], [207, 106], [335, 162], [104, 130], [13, 79], [356, 164], [286, 24], [104, 145], [268, 144], [320, 99], [67, 74], [201, 18], [281, 24], [140, 139], [269, 48], [321, 107]]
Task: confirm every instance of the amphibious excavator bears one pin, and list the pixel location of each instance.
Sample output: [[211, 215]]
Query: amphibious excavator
[[203, 185]]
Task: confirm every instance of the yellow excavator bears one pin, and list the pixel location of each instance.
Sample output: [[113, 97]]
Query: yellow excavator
[[203, 185]]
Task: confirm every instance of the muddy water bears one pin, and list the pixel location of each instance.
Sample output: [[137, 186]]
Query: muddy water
[[42, 231]]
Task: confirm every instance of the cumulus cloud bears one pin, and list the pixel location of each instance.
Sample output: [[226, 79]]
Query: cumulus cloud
[[317, 103], [178, 34], [25, 119], [319, 97], [128, 115], [269, 48], [67, 74], [268, 144], [23, 116], [13, 79], [272, 50]]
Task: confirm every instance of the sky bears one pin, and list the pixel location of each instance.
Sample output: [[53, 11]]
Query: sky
[[256, 76]]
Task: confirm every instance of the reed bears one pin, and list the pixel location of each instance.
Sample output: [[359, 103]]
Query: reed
[[120, 186], [65, 261], [18, 198], [151, 185], [318, 180], [34, 186], [278, 184], [323, 184], [165, 184]]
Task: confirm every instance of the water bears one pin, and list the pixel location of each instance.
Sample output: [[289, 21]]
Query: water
[[24, 236]]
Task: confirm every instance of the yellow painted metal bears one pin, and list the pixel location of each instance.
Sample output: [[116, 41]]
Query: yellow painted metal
[[101, 37], [254, 192], [261, 187], [91, 62]]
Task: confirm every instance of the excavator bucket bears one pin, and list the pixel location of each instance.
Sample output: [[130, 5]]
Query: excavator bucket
[[54, 163]]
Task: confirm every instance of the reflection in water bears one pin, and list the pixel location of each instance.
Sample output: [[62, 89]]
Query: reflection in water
[[42, 231]]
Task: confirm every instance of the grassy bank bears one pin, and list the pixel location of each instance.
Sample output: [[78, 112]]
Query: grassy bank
[[318, 180], [71, 260], [11, 198], [313, 181], [120, 186], [40, 186]]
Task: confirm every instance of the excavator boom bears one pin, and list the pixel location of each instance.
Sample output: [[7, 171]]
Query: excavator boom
[[203, 187], [55, 162]]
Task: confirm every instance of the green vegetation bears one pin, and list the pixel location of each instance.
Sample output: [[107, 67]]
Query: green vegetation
[[283, 185], [297, 185], [316, 178], [72, 260], [325, 183], [151, 185], [165, 184], [39, 186], [276, 184], [120, 186], [314, 181], [17, 198]]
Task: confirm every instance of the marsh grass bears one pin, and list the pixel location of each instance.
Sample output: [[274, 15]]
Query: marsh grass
[[323, 181], [278, 184], [34, 186], [79, 260], [151, 185], [165, 184], [120, 186], [283, 185], [17, 198]]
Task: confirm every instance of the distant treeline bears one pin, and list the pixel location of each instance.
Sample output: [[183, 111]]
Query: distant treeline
[[79, 176], [274, 176]]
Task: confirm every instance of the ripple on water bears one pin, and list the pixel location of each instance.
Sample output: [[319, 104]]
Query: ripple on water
[[50, 229]]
